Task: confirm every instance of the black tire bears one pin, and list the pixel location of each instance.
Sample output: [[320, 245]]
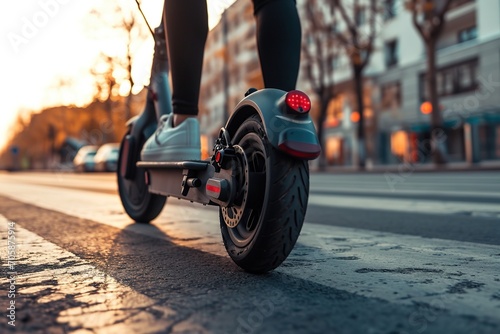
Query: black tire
[[263, 240], [138, 202]]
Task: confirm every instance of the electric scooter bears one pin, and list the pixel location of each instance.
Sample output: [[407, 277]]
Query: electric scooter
[[258, 174]]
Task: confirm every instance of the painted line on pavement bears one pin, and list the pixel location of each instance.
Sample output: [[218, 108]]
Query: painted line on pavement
[[55, 275]]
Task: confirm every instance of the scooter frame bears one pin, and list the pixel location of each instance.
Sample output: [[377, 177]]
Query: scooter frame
[[293, 134]]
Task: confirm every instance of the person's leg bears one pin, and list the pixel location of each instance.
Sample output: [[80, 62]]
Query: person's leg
[[186, 24], [278, 40], [178, 136]]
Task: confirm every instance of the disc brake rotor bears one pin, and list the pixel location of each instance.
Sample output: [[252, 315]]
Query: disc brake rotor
[[238, 211]]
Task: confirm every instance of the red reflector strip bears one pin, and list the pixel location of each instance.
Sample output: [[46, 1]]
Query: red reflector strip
[[124, 158], [212, 188], [301, 150]]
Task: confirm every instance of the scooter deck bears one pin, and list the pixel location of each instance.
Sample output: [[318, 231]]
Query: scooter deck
[[181, 179], [192, 165]]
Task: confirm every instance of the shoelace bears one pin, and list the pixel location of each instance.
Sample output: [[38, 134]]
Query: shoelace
[[163, 121]]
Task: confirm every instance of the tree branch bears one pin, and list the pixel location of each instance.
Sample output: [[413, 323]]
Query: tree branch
[[373, 32], [440, 16], [417, 25], [351, 26]]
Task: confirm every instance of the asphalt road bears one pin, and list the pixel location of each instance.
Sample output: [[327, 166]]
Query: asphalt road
[[454, 206], [379, 253]]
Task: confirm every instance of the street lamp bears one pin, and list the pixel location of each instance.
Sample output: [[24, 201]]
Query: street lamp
[[355, 117], [426, 108]]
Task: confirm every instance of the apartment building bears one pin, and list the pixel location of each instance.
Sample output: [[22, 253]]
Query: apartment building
[[397, 120], [468, 80], [231, 66]]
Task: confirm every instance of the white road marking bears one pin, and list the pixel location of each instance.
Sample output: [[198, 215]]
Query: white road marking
[[402, 205], [105, 304], [355, 191]]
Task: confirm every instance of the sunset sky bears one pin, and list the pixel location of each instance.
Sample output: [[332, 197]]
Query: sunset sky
[[45, 41]]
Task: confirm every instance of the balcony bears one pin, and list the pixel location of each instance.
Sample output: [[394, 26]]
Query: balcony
[[461, 8]]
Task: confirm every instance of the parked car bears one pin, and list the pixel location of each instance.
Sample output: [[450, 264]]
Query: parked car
[[106, 158], [84, 159]]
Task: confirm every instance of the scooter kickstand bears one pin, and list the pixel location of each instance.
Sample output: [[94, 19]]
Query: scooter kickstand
[[188, 181]]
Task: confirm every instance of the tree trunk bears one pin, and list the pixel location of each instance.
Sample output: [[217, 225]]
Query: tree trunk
[[358, 83], [128, 101], [321, 133], [128, 106], [107, 135], [436, 120]]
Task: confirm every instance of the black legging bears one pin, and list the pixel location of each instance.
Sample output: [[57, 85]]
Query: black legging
[[278, 41]]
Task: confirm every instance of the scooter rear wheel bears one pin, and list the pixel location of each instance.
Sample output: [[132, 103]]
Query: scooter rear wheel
[[138, 202], [267, 232]]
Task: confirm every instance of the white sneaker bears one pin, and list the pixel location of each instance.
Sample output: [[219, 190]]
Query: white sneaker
[[170, 143]]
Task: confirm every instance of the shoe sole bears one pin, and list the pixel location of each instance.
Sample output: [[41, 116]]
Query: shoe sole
[[180, 154]]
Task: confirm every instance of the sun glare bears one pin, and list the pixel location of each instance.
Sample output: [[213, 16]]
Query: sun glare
[[50, 49]]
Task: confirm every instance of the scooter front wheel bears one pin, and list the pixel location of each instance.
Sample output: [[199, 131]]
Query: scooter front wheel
[[269, 226], [138, 202]]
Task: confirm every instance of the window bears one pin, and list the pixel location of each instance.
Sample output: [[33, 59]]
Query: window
[[389, 9], [465, 76], [334, 27], [335, 61], [452, 80], [448, 83], [391, 96], [391, 53], [360, 16], [334, 112], [310, 39], [236, 49], [467, 34], [399, 143]]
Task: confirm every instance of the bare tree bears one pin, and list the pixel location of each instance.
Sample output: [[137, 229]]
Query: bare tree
[[429, 20], [357, 39], [105, 82], [131, 29], [319, 52]]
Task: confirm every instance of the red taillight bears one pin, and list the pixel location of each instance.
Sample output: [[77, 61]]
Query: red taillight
[[298, 101]]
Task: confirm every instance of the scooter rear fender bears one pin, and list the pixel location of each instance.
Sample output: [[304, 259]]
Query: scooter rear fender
[[292, 134]]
